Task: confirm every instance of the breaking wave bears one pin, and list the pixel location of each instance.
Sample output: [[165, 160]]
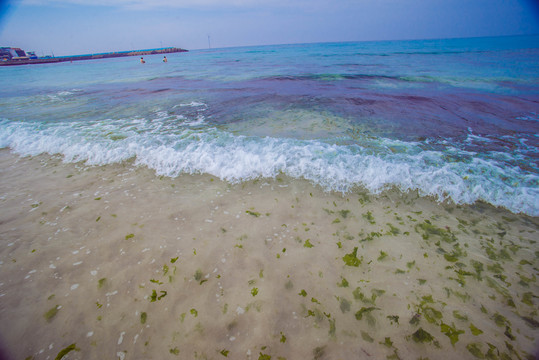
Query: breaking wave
[[177, 146]]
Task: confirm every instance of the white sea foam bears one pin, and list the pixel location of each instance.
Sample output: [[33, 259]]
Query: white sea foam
[[190, 104], [446, 172]]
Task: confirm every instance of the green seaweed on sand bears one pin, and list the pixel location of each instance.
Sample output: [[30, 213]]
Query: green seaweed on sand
[[303, 293], [498, 288], [459, 316], [173, 260], [363, 311], [363, 198], [422, 336], [525, 281], [431, 314], [283, 338], [451, 332], [368, 216], [101, 282], [371, 236], [194, 312], [308, 244], [344, 305], [264, 356], [154, 297], [165, 269], [175, 351], [332, 328], [387, 342], [51, 313], [500, 320], [527, 298], [531, 322], [319, 352], [365, 336], [66, 350], [429, 229], [224, 352], [129, 236], [475, 331], [351, 259], [493, 353], [415, 319], [461, 275], [143, 317], [475, 350], [253, 213], [328, 211], [455, 254], [254, 291], [344, 213], [382, 256], [462, 296], [289, 285], [393, 319], [344, 283], [509, 333], [156, 282], [478, 267], [393, 230]]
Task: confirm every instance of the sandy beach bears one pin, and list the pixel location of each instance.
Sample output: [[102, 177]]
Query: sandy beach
[[115, 262]]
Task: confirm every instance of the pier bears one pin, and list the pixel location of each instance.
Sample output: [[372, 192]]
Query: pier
[[49, 59]]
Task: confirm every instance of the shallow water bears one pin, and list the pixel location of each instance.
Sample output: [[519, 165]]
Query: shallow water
[[123, 263]]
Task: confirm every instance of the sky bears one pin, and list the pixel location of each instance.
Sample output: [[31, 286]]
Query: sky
[[70, 27]]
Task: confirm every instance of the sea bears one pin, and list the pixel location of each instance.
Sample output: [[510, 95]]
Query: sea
[[289, 202], [456, 120]]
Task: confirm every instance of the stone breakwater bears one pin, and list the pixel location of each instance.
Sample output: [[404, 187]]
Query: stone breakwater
[[92, 56]]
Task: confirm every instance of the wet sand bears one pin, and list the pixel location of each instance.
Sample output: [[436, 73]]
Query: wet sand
[[116, 262]]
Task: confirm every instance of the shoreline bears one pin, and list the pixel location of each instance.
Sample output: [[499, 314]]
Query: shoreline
[[123, 262], [91, 56]]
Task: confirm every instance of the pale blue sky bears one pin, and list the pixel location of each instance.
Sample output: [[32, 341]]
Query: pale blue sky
[[87, 26]]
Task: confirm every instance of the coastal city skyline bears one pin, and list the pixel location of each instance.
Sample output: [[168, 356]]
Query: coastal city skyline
[[68, 27]]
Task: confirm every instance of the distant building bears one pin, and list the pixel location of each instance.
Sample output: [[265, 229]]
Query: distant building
[[9, 53], [5, 53]]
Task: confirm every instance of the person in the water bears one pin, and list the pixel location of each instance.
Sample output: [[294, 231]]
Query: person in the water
[[142, 60], [165, 59]]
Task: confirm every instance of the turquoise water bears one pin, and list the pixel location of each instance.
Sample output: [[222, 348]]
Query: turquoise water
[[455, 119]]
